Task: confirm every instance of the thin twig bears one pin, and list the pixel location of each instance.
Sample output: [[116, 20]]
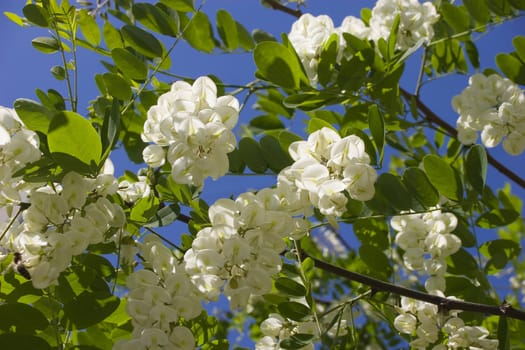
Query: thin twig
[[280, 7], [434, 118], [445, 304]]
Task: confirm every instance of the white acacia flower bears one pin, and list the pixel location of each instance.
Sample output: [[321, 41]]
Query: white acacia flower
[[191, 128]]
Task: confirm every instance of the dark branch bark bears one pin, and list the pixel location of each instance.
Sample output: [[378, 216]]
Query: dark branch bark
[[434, 118], [183, 218], [280, 7], [444, 303]]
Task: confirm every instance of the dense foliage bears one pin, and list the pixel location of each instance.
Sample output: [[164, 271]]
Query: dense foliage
[[381, 229]]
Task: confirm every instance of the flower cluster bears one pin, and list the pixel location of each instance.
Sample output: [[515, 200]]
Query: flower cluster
[[426, 322], [326, 166], [415, 21], [18, 147], [276, 328], [239, 253], [427, 240], [309, 34], [63, 221], [161, 297], [496, 107], [191, 127]]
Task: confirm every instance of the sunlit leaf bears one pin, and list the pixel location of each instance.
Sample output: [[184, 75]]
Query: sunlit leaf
[[89, 27], [227, 28], [294, 311], [36, 15], [154, 18], [443, 177], [199, 33], [497, 218], [142, 41]]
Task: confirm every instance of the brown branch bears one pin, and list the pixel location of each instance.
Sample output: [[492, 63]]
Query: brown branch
[[434, 118], [443, 303], [280, 7]]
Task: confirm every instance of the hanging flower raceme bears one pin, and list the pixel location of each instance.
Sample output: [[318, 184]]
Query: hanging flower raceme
[[309, 34], [496, 107], [415, 21], [18, 147], [239, 253], [427, 240], [161, 300], [191, 128], [427, 324], [63, 221], [326, 166]]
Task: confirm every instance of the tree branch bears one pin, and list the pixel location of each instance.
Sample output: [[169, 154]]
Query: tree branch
[[445, 304], [434, 118], [280, 7]]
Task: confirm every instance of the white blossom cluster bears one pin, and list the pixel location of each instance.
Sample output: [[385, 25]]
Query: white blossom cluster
[[326, 166], [427, 240], [276, 328], [425, 322], [18, 147], [496, 107], [415, 21], [160, 299], [133, 191], [62, 222], [239, 253], [191, 128], [309, 34]]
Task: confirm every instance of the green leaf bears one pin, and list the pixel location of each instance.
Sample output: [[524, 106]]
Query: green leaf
[[58, 72], [36, 15], [227, 28], [372, 231], [472, 53], [89, 27], [274, 154], [199, 33], [419, 186], [315, 124], [46, 44], [278, 64], [22, 342], [500, 7], [13, 17], [260, 35], [245, 39], [110, 128], [456, 16], [252, 155], [462, 263], [154, 18], [512, 67], [443, 177], [180, 5], [112, 36], [394, 191], [144, 209], [117, 87], [327, 60], [296, 341], [74, 143], [142, 41], [267, 122], [500, 251], [236, 164], [310, 100], [519, 44], [476, 167], [24, 318], [35, 116], [86, 309], [376, 260], [164, 216], [129, 64], [290, 287], [518, 4], [497, 218], [478, 10], [294, 311], [377, 128]]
